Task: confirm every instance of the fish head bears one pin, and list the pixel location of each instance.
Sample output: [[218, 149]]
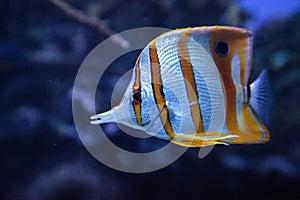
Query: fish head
[[129, 111]]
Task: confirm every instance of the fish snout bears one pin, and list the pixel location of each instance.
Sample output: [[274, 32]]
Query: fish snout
[[102, 118]]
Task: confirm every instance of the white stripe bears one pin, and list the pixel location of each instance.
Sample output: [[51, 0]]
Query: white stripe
[[203, 64], [173, 79], [149, 106], [249, 49], [236, 77]]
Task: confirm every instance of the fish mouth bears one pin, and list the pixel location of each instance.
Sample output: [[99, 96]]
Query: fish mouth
[[102, 118], [108, 117]]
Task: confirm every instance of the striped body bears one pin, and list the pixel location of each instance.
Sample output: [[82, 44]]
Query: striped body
[[190, 86]]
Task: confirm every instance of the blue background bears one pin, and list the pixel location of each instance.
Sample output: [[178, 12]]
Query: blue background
[[41, 156]]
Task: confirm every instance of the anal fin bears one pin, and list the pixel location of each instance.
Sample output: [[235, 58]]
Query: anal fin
[[250, 129], [201, 140]]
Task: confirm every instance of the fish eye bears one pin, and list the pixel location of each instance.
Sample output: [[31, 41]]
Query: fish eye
[[136, 96], [222, 48]]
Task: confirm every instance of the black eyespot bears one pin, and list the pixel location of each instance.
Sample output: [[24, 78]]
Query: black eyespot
[[137, 96], [248, 93], [222, 48]]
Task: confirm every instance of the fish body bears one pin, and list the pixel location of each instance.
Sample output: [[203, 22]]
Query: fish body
[[191, 86]]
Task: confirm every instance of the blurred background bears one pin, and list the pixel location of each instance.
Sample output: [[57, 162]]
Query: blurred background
[[42, 45]]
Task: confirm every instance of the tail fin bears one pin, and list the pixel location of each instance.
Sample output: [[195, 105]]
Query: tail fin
[[261, 97]]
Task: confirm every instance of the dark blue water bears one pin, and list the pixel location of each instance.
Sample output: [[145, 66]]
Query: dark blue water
[[41, 155]]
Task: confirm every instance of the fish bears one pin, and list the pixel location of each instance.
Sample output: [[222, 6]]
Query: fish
[[191, 86]]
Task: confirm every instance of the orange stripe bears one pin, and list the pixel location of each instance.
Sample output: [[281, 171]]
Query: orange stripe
[[137, 107], [190, 82], [241, 51], [224, 67], [254, 126], [250, 125], [250, 131], [158, 90], [137, 82]]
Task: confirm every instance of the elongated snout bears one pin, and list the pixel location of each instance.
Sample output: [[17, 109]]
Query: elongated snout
[[104, 117]]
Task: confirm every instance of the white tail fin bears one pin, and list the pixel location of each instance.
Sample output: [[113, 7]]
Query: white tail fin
[[261, 97]]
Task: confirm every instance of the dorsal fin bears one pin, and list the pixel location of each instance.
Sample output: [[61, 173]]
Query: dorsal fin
[[261, 97]]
